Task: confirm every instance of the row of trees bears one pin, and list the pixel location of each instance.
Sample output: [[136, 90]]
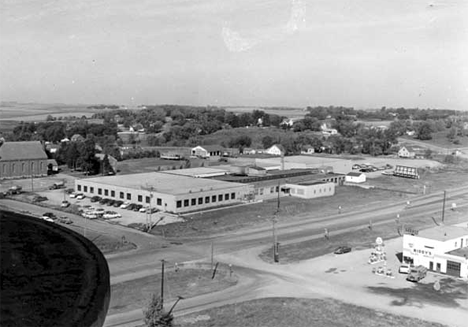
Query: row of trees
[[321, 113], [55, 131]]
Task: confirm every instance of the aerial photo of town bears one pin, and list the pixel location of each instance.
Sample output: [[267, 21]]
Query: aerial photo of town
[[174, 163]]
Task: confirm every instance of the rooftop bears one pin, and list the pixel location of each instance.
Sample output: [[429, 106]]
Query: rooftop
[[355, 174], [309, 159], [462, 252], [444, 233], [22, 151], [198, 172], [163, 182]]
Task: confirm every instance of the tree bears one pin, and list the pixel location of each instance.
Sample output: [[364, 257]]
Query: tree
[[267, 141], [155, 315], [452, 133], [424, 131]]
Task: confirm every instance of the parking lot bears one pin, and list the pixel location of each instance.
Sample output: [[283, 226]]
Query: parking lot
[[55, 197]]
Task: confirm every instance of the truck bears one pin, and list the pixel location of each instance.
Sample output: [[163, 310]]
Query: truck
[[416, 273], [15, 189], [57, 185]]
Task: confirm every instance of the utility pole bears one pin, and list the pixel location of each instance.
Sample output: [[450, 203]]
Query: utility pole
[[278, 202], [32, 176], [275, 242], [443, 207], [162, 284]]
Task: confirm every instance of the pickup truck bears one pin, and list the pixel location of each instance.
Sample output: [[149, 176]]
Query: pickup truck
[[416, 273], [57, 185]]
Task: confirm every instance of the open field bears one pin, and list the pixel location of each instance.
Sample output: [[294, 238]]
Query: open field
[[297, 312], [39, 112], [440, 139], [186, 282], [286, 112]]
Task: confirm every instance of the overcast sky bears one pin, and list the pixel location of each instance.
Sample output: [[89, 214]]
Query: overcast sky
[[361, 53]]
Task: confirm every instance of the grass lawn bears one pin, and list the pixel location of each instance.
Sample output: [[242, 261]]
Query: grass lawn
[[440, 139], [188, 283], [293, 312]]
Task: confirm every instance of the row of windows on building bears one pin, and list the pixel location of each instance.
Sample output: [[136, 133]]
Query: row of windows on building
[[301, 191], [260, 191], [23, 167], [186, 202], [207, 199]]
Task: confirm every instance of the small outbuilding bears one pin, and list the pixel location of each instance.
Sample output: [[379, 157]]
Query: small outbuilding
[[355, 177]]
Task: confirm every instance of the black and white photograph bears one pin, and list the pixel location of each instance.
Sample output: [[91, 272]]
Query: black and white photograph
[[200, 163]]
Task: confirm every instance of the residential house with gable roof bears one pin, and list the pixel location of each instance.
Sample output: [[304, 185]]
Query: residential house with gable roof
[[22, 159], [406, 152]]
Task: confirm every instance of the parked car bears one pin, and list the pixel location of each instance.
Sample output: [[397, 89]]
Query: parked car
[[69, 190], [111, 215], [125, 205], [104, 201], [366, 170], [111, 202], [137, 207], [50, 220], [65, 220], [50, 215], [356, 166], [73, 195], [342, 249], [80, 196], [65, 204], [96, 198], [131, 206], [416, 273], [404, 268], [143, 209], [89, 215], [118, 203]]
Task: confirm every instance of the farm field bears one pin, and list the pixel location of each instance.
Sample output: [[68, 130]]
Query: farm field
[[440, 139]]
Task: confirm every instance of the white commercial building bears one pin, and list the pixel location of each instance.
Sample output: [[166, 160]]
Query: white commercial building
[[355, 177], [166, 191], [442, 249]]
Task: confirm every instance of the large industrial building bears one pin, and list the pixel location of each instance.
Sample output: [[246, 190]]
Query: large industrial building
[[166, 191], [442, 249], [195, 189]]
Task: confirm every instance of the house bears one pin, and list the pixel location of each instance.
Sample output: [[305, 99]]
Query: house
[[308, 150], [289, 122], [275, 150], [207, 151], [326, 131], [22, 159], [52, 148], [406, 152], [249, 151], [355, 177], [112, 160]]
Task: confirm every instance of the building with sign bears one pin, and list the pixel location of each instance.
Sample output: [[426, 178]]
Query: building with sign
[[442, 249]]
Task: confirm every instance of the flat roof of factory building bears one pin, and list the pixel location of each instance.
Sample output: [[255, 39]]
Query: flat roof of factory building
[[163, 183], [303, 159], [197, 172]]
